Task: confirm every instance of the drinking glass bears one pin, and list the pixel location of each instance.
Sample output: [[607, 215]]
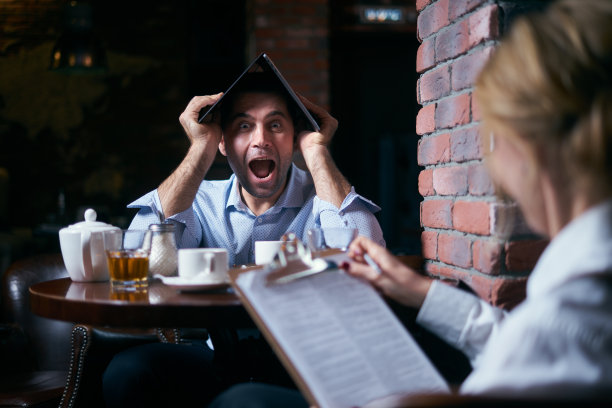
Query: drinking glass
[[127, 254], [325, 238]]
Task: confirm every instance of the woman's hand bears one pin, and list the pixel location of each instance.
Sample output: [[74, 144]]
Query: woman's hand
[[395, 279]]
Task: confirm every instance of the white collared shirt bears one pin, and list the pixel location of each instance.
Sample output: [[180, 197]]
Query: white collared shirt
[[558, 341]]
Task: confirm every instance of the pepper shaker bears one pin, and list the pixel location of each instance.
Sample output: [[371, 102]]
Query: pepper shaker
[[163, 258]]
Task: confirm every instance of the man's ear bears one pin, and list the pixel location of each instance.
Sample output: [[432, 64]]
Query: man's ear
[[222, 146]]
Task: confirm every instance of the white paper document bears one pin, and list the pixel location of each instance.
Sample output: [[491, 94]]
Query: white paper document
[[342, 338]]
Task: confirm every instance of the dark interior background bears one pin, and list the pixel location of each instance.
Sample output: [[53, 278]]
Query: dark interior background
[[372, 94]]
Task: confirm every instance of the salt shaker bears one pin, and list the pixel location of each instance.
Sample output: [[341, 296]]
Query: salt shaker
[[163, 258]]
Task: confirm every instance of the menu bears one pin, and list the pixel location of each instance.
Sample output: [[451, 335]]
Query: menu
[[338, 339]]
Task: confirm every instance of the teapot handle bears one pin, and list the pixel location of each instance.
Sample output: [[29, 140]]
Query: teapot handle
[[86, 250]]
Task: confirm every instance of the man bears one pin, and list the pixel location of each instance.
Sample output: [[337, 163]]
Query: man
[[258, 130], [267, 195]]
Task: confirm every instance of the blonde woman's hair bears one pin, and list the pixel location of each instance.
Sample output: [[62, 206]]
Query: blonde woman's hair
[[549, 84]]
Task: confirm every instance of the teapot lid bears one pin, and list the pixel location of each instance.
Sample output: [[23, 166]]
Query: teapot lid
[[91, 223]]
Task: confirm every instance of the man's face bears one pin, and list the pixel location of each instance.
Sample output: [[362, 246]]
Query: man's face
[[258, 140]]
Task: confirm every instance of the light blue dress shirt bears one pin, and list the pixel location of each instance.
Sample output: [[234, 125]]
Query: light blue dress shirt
[[219, 219]]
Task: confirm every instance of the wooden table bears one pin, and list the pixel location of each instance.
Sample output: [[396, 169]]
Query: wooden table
[[96, 303]]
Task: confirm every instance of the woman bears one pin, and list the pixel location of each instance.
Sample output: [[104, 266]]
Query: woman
[[546, 103]]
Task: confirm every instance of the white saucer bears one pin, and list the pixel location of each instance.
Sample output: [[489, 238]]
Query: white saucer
[[190, 285]]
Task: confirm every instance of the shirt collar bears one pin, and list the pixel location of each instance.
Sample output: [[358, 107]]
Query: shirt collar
[[583, 247], [234, 200], [292, 197]]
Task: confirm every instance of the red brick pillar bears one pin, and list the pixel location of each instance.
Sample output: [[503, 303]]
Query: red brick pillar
[[463, 221], [295, 35]]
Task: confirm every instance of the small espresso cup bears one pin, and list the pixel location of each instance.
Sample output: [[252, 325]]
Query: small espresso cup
[[266, 250], [205, 265]]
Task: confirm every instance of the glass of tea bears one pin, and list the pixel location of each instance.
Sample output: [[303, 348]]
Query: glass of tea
[[127, 254]]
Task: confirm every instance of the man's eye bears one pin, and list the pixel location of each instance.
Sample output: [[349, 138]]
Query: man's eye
[[276, 126], [244, 126]]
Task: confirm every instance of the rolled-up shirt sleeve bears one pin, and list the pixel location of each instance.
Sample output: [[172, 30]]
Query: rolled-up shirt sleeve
[[188, 232], [354, 212]]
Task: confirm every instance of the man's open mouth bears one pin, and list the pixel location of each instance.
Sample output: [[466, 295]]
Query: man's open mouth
[[262, 168]]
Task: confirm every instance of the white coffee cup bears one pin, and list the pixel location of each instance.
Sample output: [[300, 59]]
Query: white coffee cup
[[205, 265], [266, 250]]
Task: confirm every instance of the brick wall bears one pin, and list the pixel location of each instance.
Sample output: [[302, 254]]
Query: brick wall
[[295, 35], [462, 219]]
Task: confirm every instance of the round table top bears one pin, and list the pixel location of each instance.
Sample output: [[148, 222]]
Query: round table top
[[159, 305]]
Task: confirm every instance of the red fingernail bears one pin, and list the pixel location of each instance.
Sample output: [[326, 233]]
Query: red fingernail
[[344, 265]]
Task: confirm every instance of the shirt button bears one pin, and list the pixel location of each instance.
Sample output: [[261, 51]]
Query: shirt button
[[259, 220], [341, 213]]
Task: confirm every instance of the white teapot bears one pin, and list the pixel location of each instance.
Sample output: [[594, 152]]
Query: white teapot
[[82, 247]]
